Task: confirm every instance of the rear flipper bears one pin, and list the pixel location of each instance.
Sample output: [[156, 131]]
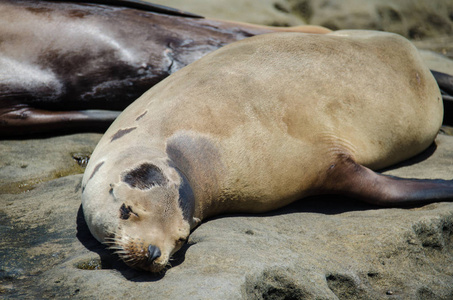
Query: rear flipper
[[445, 83], [23, 120], [357, 181]]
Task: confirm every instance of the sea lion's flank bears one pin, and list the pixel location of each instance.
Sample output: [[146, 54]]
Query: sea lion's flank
[[62, 62], [257, 125]]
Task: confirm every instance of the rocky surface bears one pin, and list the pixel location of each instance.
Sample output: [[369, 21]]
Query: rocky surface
[[323, 248], [412, 19], [25, 163], [318, 248], [415, 19], [428, 23], [266, 12]]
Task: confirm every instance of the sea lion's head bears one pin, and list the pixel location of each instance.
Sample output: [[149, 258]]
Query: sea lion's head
[[155, 215]]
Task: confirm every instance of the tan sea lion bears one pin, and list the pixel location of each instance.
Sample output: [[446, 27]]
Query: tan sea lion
[[64, 63], [257, 125]]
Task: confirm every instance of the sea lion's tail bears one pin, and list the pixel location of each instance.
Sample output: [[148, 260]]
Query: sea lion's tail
[[356, 181]]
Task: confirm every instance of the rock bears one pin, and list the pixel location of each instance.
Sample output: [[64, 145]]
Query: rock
[[414, 19], [26, 163], [441, 45], [437, 62], [322, 247], [266, 12]]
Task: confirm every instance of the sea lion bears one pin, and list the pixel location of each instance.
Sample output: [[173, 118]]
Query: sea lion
[[445, 83], [61, 62], [259, 124]]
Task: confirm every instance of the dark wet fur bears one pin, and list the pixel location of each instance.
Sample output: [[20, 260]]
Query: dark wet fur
[[165, 40]]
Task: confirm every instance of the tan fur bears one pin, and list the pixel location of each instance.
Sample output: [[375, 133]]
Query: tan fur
[[257, 124]]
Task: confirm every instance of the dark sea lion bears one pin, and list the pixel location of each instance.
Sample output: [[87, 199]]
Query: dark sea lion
[[445, 82], [59, 60], [256, 125]]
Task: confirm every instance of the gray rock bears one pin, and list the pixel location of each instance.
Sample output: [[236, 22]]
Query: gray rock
[[414, 19], [437, 62], [322, 247], [26, 163], [266, 12], [442, 45]]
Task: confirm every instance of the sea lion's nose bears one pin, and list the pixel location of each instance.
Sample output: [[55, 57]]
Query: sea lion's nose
[[154, 253]]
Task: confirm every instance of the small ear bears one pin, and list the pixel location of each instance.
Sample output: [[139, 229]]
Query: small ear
[[125, 212], [119, 191], [195, 222]]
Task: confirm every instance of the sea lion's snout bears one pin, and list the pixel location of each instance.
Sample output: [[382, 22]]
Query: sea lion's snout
[[151, 224], [153, 253]]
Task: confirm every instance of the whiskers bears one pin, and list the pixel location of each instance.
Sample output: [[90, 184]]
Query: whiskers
[[115, 244], [118, 245], [167, 267], [134, 253]]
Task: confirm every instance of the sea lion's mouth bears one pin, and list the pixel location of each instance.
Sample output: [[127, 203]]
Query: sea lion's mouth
[[153, 267], [136, 254]]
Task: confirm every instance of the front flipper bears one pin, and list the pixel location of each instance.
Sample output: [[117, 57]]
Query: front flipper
[[356, 181], [23, 120]]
